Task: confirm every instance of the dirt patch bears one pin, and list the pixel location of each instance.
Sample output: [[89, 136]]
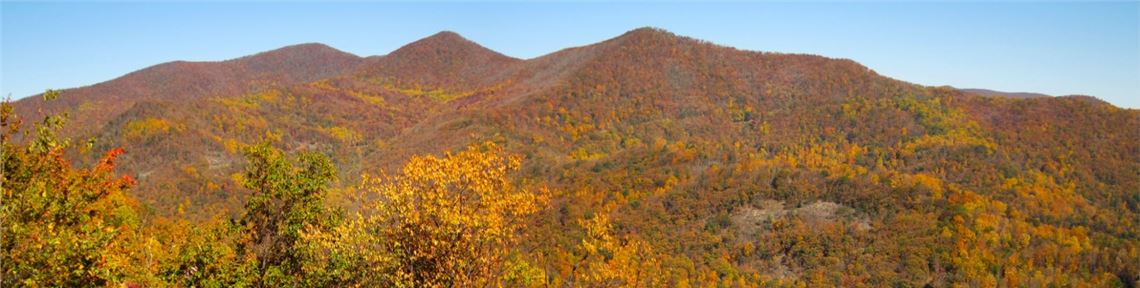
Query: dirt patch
[[820, 210], [217, 160], [751, 219]]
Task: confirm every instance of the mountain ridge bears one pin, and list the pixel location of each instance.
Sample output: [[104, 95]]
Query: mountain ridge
[[186, 80], [449, 39], [694, 146]]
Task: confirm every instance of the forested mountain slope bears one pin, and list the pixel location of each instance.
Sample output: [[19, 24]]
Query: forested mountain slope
[[182, 81], [712, 165]]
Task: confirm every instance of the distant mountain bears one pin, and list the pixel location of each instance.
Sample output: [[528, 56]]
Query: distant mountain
[[992, 93], [737, 166], [443, 59], [184, 81]]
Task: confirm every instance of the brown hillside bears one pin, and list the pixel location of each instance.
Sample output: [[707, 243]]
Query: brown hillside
[[444, 60], [183, 81]]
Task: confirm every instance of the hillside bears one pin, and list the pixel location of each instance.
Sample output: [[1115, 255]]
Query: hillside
[[182, 81], [444, 60], [735, 168]]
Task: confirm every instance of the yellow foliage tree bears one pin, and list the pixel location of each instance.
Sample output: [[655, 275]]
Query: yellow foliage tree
[[450, 221], [147, 128], [609, 261]]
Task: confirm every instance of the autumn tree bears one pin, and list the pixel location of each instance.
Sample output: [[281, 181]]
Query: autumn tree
[[613, 261], [62, 226], [187, 254], [441, 222]]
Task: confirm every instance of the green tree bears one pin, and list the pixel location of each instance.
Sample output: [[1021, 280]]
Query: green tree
[[286, 199]]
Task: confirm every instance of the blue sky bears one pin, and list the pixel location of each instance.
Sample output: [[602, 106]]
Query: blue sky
[[1052, 48]]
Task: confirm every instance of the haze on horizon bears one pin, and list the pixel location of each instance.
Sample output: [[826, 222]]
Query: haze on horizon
[[1051, 48]]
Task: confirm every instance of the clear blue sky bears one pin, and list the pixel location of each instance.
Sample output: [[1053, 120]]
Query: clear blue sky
[[1052, 48]]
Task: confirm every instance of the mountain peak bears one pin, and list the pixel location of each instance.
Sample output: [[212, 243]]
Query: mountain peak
[[443, 58], [301, 61], [647, 37], [445, 42], [649, 31], [306, 46], [447, 35], [300, 50]]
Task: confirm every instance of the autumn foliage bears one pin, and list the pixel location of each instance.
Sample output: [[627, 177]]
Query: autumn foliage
[[646, 160], [440, 222], [62, 225]]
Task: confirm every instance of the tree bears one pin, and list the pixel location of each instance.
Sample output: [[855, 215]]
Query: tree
[[442, 222], [286, 199], [62, 226], [609, 261], [199, 255]]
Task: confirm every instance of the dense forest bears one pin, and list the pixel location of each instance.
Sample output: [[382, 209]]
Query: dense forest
[[646, 160]]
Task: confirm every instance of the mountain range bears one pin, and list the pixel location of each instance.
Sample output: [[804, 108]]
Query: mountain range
[[734, 164]]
